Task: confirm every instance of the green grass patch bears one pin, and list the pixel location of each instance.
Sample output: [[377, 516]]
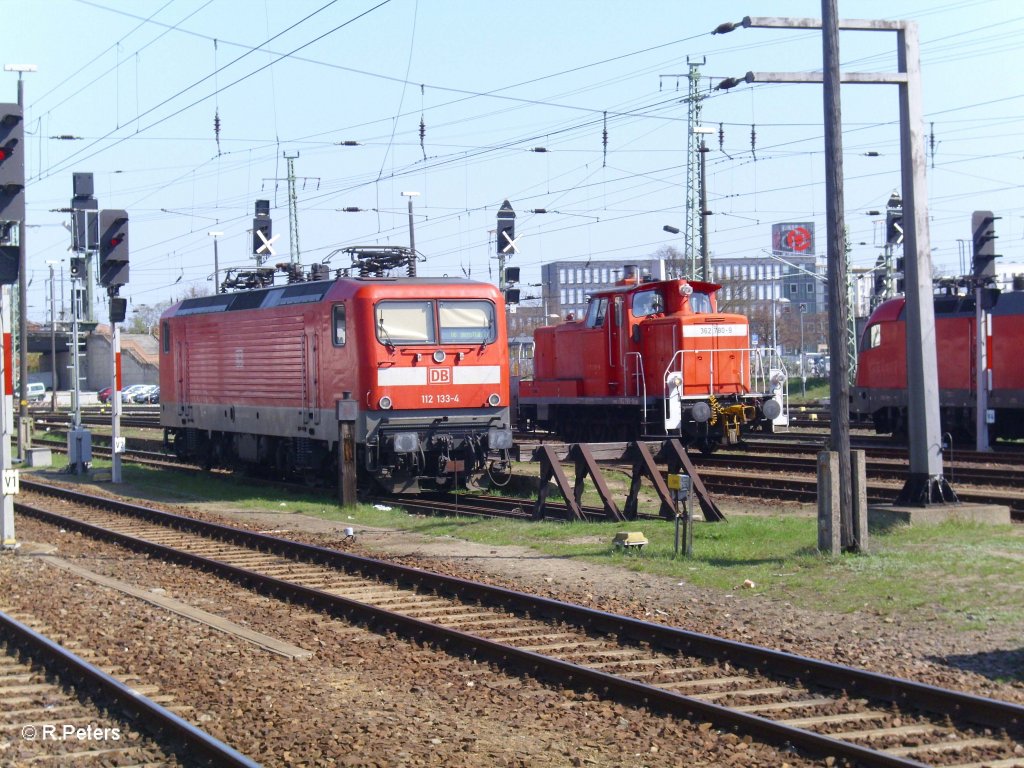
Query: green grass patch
[[817, 390], [966, 576]]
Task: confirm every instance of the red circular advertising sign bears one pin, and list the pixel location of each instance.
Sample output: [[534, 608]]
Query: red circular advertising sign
[[798, 239]]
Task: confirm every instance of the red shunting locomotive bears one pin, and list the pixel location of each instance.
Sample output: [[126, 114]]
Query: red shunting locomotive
[[260, 379], [650, 358], [880, 393]]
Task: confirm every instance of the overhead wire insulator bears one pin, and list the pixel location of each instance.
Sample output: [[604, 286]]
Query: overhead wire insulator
[[423, 125], [216, 104], [931, 142], [753, 142], [604, 141], [721, 140]]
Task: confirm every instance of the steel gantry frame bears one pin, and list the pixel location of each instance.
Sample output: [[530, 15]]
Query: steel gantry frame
[[925, 483]]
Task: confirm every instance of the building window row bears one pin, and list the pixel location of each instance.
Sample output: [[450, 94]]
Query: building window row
[[586, 276], [748, 271]]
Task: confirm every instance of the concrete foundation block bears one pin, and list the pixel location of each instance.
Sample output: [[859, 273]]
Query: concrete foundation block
[[890, 514], [38, 457]]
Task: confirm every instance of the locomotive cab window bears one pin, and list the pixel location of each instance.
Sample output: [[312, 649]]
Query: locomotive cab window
[[646, 303], [596, 312], [165, 336], [873, 337], [700, 303], [338, 317], [466, 322], [404, 322]]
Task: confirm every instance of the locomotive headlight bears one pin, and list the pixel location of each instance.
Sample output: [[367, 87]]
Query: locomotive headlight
[[439, 356], [493, 399], [499, 439], [700, 412], [385, 403], [685, 289], [406, 442]]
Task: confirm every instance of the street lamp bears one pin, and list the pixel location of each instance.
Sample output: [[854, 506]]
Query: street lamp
[[803, 367], [412, 235], [671, 268], [24, 427], [776, 300], [53, 338], [216, 262]]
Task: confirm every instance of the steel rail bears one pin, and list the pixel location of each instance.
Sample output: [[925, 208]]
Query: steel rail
[[928, 698], [63, 663]]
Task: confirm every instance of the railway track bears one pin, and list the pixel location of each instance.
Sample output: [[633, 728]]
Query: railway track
[[46, 721], [1004, 476], [790, 474], [819, 708], [787, 478]]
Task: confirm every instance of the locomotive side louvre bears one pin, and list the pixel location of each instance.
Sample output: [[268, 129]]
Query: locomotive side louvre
[[1006, 345], [260, 377], [648, 358]]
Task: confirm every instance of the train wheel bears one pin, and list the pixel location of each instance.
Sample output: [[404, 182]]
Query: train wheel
[[707, 445], [281, 458], [181, 445]]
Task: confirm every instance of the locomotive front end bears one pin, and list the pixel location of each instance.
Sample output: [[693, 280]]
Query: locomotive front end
[[651, 358], [437, 398]]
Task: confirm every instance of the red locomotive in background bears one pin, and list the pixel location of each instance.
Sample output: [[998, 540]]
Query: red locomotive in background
[[260, 378], [880, 393], [649, 358]]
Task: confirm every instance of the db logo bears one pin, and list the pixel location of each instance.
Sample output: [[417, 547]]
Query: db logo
[[439, 376]]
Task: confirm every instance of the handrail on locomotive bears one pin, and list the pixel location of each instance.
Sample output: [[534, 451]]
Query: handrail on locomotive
[[768, 374]]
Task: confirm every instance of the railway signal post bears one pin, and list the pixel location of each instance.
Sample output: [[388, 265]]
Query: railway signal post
[[506, 239], [84, 212], [983, 272], [113, 274], [117, 313], [10, 475], [12, 229]]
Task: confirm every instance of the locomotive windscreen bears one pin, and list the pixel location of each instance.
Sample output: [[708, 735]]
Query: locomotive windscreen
[[405, 322], [700, 303], [466, 321], [412, 322]]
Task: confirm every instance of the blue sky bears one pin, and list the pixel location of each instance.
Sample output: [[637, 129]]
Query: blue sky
[[139, 85]]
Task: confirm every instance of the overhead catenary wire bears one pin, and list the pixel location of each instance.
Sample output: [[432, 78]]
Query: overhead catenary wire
[[481, 153]]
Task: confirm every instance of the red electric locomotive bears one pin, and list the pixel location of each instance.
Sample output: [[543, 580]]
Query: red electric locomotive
[[262, 377], [650, 358], [880, 393]]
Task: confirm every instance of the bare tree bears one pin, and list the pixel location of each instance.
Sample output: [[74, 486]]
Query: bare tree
[[675, 263], [146, 318]]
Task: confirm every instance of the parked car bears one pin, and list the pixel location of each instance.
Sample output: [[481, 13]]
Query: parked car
[[143, 395], [104, 394], [128, 393], [36, 392]]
